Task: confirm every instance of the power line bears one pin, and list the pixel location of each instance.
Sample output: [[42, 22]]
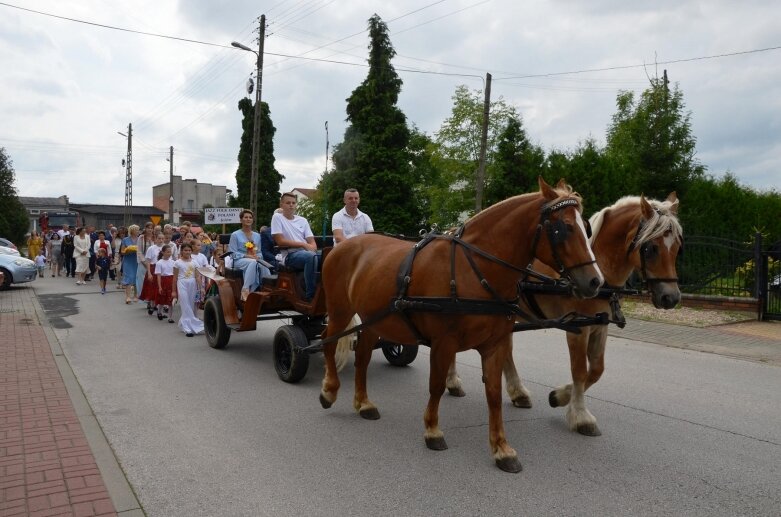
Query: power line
[[187, 40]]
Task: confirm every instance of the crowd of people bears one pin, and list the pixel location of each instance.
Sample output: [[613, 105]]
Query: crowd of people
[[128, 257], [158, 265]]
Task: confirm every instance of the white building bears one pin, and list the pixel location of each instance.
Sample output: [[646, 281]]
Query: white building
[[189, 198]]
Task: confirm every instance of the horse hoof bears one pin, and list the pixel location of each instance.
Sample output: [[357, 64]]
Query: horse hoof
[[522, 401], [589, 430], [509, 464], [552, 399], [436, 444], [325, 402], [456, 392], [370, 413]]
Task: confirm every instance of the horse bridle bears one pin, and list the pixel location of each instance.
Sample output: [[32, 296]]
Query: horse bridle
[[643, 249], [557, 234]]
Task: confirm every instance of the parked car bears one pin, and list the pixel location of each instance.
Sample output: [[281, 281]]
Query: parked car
[[16, 270], [8, 244], [8, 251]]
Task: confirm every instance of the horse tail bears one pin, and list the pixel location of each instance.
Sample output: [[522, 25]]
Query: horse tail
[[346, 343]]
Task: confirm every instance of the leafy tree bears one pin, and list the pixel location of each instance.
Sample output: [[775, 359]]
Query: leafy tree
[[651, 143], [458, 153], [13, 215], [374, 156], [517, 163], [269, 178]]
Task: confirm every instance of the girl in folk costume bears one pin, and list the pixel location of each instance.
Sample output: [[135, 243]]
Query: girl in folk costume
[[185, 290], [200, 261], [149, 289], [164, 275], [145, 241]]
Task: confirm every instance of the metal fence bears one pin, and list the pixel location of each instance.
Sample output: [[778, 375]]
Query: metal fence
[[719, 267]]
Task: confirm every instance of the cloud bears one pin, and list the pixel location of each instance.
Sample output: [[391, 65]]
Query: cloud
[[68, 88]]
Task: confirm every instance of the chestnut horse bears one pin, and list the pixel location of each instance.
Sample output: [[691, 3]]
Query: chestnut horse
[[477, 268], [634, 234]]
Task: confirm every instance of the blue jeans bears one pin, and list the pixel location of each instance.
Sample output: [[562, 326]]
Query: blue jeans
[[306, 261]]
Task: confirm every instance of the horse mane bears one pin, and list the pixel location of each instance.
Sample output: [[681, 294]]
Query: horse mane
[[664, 219], [564, 191]]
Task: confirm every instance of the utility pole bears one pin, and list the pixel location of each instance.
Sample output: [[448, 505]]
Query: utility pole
[[171, 185], [480, 181], [129, 177], [253, 195], [325, 194], [257, 130]]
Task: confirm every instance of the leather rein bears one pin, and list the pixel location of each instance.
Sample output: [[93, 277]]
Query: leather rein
[[404, 305]]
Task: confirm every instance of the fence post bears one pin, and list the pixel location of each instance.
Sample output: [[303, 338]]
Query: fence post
[[760, 281]]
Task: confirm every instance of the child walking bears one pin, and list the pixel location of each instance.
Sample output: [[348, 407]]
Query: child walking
[[164, 273], [40, 263], [186, 289], [103, 264], [150, 288]]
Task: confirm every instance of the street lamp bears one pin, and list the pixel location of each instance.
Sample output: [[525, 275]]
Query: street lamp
[[253, 196], [170, 161]]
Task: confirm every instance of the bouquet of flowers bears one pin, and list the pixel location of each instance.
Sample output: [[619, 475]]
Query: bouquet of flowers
[[250, 247], [131, 250]]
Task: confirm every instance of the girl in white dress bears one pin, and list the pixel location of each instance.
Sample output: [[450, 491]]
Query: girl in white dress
[[185, 290]]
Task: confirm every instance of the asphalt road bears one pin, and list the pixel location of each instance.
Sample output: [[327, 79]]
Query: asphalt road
[[206, 432]]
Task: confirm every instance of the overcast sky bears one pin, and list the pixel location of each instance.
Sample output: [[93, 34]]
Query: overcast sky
[[67, 88]]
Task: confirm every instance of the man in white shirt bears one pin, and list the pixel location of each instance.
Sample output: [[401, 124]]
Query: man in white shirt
[[349, 221], [292, 231]]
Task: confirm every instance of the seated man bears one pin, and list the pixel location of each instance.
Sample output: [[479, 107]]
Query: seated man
[[292, 232], [245, 248]]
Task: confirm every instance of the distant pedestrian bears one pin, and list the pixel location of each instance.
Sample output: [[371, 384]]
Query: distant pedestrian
[[81, 244], [149, 289], [55, 254], [164, 274], [34, 245], [128, 250], [68, 249], [40, 264], [102, 265], [185, 290]]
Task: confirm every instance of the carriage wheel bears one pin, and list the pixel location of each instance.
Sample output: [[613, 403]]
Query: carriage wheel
[[217, 333], [399, 355], [290, 361]]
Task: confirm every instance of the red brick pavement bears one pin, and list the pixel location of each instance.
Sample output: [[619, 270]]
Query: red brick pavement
[[46, 466]]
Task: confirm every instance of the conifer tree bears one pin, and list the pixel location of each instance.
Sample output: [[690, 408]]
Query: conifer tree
[[269, 178], [374, 155]]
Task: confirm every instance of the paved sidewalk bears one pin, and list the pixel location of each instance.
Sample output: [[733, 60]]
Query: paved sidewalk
[[54, 459], [751, 340]]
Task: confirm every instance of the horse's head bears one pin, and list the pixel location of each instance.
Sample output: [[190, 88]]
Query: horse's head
[[562, 240], [654, 248]]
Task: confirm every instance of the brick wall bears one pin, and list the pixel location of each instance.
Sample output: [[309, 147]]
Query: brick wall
[[724, 303]]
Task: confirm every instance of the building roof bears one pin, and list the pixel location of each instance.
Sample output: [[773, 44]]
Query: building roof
[[44, 201], [116, 209], [307, 192]]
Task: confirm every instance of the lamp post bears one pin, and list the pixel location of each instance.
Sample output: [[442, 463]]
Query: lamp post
[[170, 161], [253, 195]]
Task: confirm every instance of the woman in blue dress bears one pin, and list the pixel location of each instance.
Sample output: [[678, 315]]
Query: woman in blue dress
[[245, 246], [128, 250]]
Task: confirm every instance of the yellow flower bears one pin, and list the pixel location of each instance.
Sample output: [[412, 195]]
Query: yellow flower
[[131, 249], [249, 245]]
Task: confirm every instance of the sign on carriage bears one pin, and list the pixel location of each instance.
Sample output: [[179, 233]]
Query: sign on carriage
[[221, 215]]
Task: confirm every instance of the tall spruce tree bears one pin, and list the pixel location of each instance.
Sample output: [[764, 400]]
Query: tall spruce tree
[[651, 143], [374, 155], [13, 215], [269, 178]]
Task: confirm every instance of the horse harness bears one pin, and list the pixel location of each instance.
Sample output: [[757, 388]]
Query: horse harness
[[527, 290], [404, 305]]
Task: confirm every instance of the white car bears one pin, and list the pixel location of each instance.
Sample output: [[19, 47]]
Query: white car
[[4, 250], [16, 269]]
